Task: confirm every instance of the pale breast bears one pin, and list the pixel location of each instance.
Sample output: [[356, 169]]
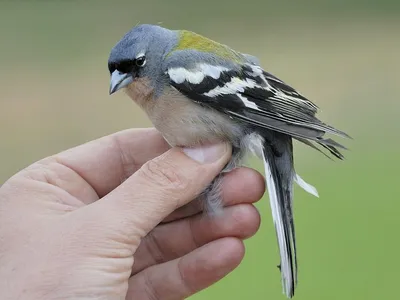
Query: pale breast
[[181, 121]]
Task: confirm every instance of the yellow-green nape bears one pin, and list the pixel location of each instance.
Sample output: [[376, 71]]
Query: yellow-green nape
[[192, 41]]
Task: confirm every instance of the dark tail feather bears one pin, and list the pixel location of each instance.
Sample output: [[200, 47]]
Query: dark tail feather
[[327, 144], [310, 144], [335, 152], [279, 173]]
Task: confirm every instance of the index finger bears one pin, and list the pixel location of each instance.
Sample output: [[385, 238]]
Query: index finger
[[106, 162]]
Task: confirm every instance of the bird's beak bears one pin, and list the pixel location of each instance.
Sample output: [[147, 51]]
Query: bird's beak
[[119, 80]]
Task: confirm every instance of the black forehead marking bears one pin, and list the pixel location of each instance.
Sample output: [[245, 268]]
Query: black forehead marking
[[124, 66]]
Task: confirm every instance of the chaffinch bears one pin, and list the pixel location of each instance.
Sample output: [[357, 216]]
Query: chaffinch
[[197, 91]]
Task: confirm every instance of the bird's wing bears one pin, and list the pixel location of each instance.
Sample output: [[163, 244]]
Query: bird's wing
[[250, 94], [252, 59]]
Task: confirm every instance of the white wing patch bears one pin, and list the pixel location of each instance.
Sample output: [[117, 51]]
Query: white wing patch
[[179, 75], [213, 71], [247, 102], [257, 71], [236, 86], [232, 87], [195, 75]]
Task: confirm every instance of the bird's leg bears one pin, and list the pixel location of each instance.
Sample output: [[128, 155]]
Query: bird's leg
[[212, 195]]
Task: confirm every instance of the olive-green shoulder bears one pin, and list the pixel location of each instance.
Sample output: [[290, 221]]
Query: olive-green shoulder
[[189, 40]]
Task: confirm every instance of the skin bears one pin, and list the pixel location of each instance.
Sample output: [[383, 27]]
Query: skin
[[113, 219]]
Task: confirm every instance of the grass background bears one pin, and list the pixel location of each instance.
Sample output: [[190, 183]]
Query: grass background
[[344, 55]]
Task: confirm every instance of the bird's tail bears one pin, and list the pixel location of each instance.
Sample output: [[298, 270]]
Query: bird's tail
[[280, 175], [276, 151]]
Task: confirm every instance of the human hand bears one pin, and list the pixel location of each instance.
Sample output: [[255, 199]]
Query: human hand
[[112, 219]]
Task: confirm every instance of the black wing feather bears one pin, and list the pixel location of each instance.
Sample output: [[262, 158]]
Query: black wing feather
[[278, 106]]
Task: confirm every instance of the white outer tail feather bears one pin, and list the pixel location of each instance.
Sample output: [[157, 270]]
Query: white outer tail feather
[[306, 186], [286, 270], [256, 146]]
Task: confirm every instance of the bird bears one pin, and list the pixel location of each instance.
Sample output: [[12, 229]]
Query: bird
[[197, 91]]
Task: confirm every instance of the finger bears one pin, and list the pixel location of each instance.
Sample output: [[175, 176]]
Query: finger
[[182, 277], [172, 240], [106, 162], [242, 185], [158, 188]]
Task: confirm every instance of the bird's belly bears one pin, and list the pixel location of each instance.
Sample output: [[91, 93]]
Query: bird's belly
[[183, 122], [196, 128]]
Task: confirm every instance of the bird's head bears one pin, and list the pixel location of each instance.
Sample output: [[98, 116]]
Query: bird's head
[[139, 54]]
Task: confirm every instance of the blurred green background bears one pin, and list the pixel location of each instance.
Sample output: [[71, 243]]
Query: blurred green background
[[342, 54]]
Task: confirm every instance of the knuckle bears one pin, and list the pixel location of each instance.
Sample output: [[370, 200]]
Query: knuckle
[[154, 248], [164, 176], [193, 235], [46, 170]]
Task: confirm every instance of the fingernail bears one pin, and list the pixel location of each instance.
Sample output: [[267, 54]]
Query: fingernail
[[206, 154]]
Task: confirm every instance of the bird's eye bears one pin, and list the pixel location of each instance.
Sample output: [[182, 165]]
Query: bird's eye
[[140, 61]]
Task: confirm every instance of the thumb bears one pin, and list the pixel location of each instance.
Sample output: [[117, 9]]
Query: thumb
[[162, 185]]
